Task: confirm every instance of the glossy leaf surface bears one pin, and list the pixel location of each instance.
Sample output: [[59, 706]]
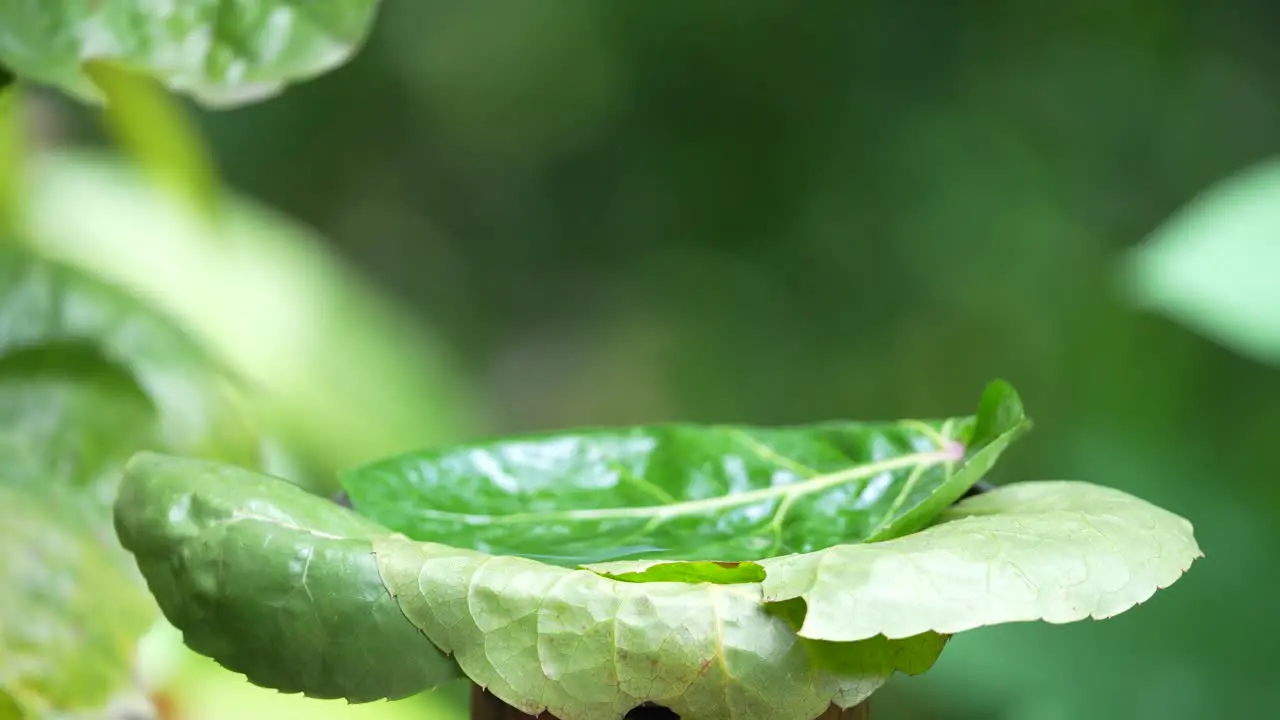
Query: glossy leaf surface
[[276, 581], [282, 585], [688, 492], [272, 581], [220, 52], [1053, 551]]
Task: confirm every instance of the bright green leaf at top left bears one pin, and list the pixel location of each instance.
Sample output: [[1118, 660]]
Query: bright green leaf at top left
[[222, 52]]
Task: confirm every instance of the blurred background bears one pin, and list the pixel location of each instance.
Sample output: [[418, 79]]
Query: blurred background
[[577, 213]]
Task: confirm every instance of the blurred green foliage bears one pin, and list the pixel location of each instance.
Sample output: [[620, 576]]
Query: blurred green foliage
[[632, 212]]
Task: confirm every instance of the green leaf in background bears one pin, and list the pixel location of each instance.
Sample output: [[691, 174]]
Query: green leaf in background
[[69, 617], [153, 126], [11, 154], [88, 377], [72, 608], [1215, 265], [1053, 551], [221, 53], [271, 581], [267, 298], [686, 492], [200, 410]]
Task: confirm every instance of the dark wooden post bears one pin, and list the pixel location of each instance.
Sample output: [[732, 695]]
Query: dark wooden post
[[484, 706]]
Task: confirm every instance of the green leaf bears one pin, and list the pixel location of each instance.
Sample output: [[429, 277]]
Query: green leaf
[[43, 303], [151, 124], [71, 607], [222, 53], [304, 595], [266, 296], [87, 378], [583, 647], [272, 581], [1213, 265], [11, 154], [69, 617], [721, 573], [686, 492], [1054, 551]]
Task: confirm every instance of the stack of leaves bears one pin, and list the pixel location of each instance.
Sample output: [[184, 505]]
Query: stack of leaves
[[718, 571]]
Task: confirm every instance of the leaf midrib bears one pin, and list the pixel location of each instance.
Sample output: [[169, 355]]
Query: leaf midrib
[[691, 507]]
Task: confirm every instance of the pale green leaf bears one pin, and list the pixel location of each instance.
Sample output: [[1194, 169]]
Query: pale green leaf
[[88, 377], [267, 298], [222, 52], [44, 303], [1053, 551], [584, 647], [1215, 265], [69, 616]]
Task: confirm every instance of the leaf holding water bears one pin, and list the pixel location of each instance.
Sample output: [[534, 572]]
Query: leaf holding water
[[688, 492], [304, 594]]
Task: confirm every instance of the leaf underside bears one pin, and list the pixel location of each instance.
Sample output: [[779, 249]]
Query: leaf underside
[[688, 492], [222, 53], [257, 572]]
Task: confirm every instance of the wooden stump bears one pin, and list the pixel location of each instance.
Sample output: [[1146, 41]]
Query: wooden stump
[[484, 706]]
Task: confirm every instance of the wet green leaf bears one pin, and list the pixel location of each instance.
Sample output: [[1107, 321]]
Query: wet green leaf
[[222, 53], [272, 581], [687, 492], [282, 585], [288, 586]]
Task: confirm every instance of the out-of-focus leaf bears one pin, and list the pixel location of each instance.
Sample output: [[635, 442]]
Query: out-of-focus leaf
[[88, 377], [283, 585], [69, 616], [222, 53], [151, 124], [71, 608], [11, 156], [70, 420], [1053, 551], [686, 492], [1215, 265], [342, 372], [45, 303], [271, 581]]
